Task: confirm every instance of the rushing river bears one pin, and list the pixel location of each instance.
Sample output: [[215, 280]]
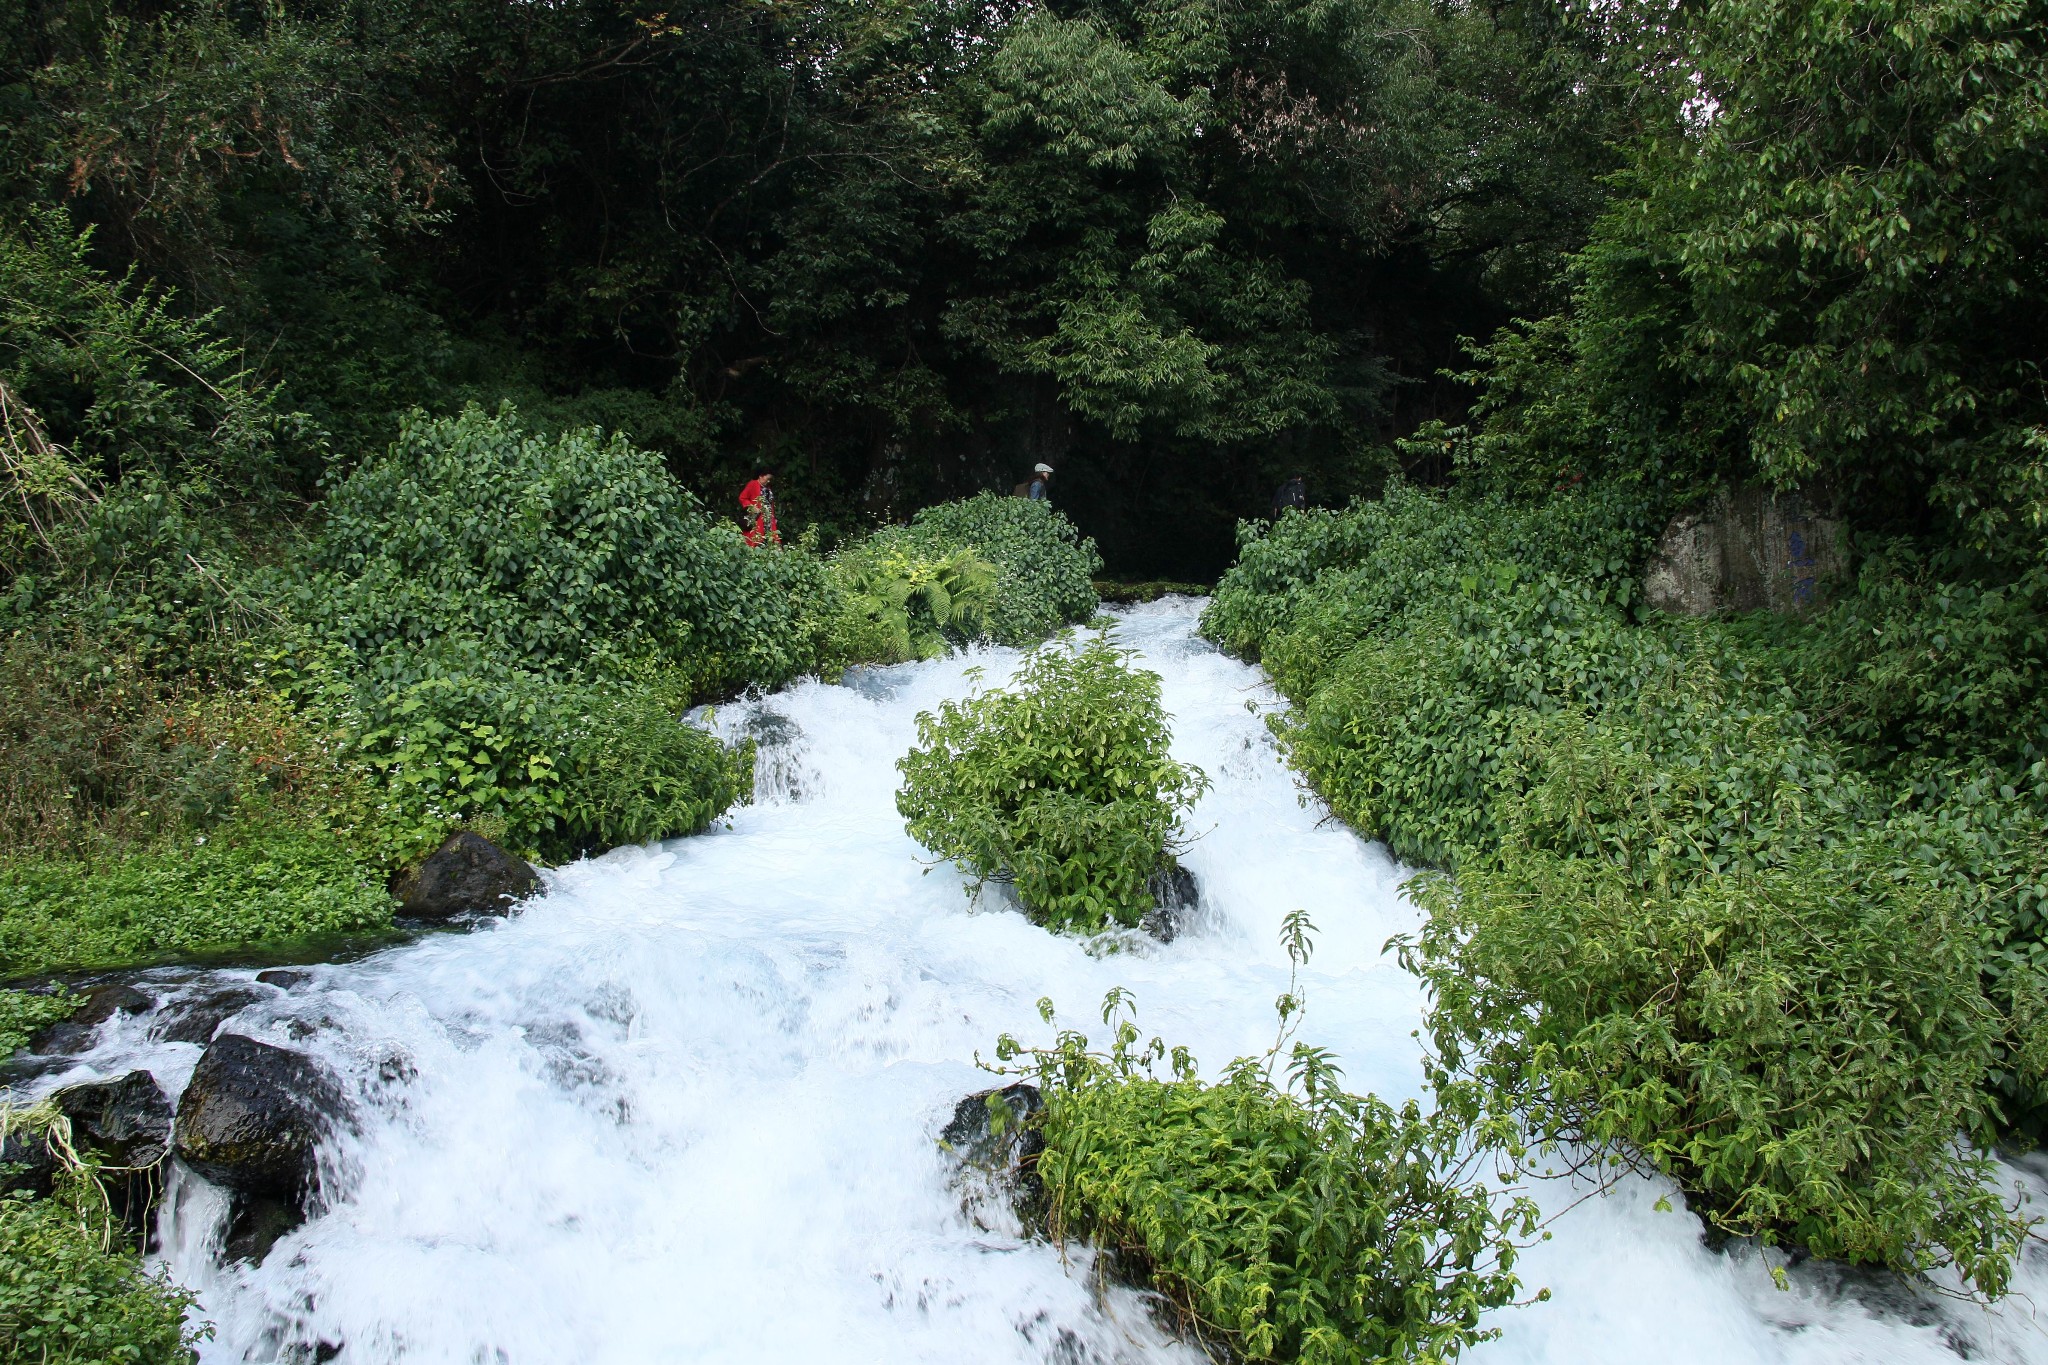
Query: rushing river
[[683, 1107]]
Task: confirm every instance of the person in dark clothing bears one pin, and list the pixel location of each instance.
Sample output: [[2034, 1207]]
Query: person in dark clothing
[[1039, 487], [1293, 493]]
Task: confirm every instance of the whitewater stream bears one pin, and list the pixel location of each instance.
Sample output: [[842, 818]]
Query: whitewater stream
[[683, 1106]]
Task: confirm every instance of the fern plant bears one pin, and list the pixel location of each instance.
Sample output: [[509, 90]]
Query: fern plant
[[919, 600]]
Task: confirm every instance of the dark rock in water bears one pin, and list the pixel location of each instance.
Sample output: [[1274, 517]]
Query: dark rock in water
[[973, 1134], [1175, 896], [255, 1222], [26, 1162], [196, 1018], [284, 978], [467, 874], [126, 1122], [995, 1138], [253, 1115], [68, 1037]]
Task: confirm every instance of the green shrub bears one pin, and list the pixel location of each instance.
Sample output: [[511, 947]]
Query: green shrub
[[560, 767], [1047, 567], [238, 888], [1799, 1045], [22, 1013], [1354, 569], [101, 751], [1286, 1221], [910, 600], [550, 555], [70, 1296], [1062, 783], [1757, 903]]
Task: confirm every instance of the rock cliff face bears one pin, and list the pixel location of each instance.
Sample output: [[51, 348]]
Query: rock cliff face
[[1746, 549]]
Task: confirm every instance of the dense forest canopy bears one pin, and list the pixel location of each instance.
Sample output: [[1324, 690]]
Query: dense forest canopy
[[901, 250]]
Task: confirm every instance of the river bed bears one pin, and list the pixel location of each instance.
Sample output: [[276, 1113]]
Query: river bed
[[683, 1106]]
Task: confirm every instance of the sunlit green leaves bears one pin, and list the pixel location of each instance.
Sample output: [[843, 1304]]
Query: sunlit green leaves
[[1062, 783]]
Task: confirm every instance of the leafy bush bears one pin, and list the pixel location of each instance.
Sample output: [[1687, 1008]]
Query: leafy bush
[[69, 1296], [1047, 567], [237, 888], [550, 554], [1753, 903], [1062, 783], [559, 767], [98, 750], [1799, 1045], [1295, 1221], [910, 601], [22, 1013], [1332, 577]]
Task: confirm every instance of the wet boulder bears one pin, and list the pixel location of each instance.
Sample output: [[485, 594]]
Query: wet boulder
[[1175, 897], [284, 978], [26, 1161], [994, 1129], [252, 1117], [468, 874], [994, 1138], [68, 1037], [197, 1016], [125, 1122]]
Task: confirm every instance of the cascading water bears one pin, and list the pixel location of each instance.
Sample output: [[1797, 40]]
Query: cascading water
[[683, 1107]]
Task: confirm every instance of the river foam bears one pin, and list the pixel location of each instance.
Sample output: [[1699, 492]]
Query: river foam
[[683, 1106]]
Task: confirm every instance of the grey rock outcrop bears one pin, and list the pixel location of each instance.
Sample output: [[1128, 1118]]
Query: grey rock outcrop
[[468, 874], [1747, 549]]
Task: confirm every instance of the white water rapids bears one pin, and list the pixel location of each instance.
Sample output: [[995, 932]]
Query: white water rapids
[[682, 1108]]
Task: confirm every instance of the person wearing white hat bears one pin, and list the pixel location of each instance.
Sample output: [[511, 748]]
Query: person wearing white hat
[[1041, 483]]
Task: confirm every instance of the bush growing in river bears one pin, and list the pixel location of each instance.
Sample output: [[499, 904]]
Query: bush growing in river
[[1714, 911], [1062, 783], [1287, 1220]]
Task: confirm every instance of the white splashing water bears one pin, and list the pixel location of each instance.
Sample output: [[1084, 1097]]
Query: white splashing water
[[683, 1107]]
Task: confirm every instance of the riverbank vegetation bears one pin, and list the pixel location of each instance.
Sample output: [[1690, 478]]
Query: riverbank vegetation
[[1753, 900], [232, 715], [1282, 1217]]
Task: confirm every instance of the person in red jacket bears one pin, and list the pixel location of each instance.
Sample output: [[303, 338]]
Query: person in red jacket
[[757, 508]]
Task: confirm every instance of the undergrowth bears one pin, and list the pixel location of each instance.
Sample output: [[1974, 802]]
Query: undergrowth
[[1284, 1217], [1755, 902]]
